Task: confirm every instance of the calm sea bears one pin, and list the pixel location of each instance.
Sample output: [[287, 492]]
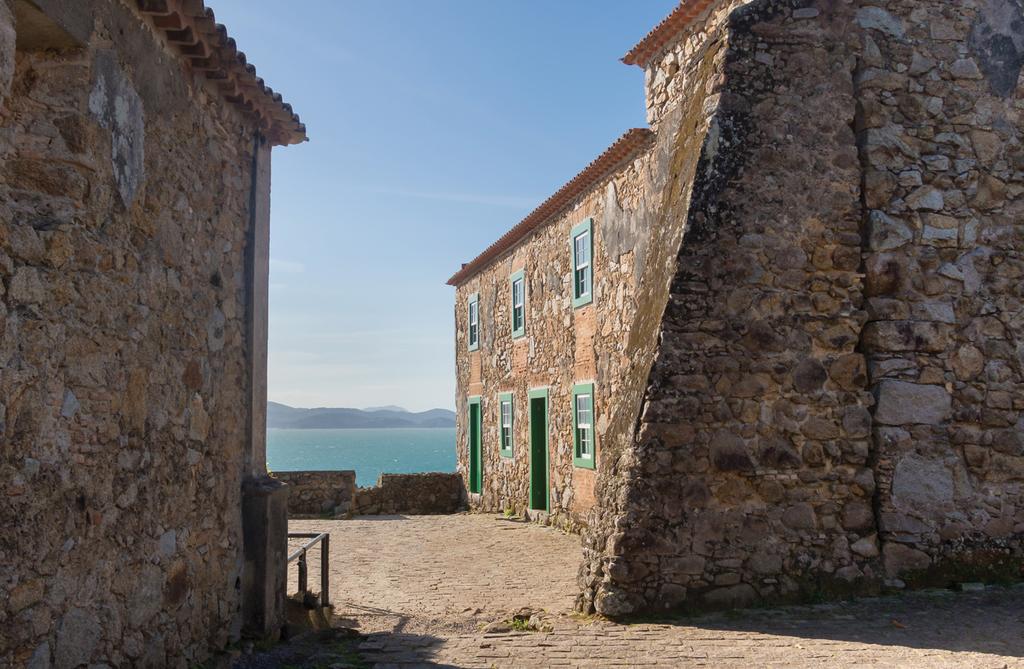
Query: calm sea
[[369, 452]]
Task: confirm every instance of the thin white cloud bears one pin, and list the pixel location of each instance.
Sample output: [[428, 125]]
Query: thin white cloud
[[519, 202], [286, 266]]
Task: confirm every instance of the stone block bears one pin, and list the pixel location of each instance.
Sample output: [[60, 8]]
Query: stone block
[[689, 565], [965, 68], [876, 18], [820, 429], [887, 233], [856, 421], [800, 517], [923, 485], [857, 515], [729, 452], [926, 198], [78, 635], [612, 602], [884, 273], [778, 453], [991, 193], [893, 336], [732, 597], [903, 403], [944, 237], [849, 372], [899, 558], [765, 563], [866, 547], [809, 375]]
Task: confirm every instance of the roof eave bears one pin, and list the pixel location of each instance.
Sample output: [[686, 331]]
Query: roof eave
[[190, 28], [678, 20], [623, 149]]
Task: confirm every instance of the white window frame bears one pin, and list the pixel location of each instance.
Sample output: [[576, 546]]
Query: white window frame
[[506, 424], [473, 317], [582, 288], [518, 299], [586, 428]]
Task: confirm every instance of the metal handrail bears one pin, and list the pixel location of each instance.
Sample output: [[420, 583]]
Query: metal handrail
[[300, 554]]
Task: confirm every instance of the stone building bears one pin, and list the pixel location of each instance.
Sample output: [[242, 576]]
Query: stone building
[[803, 337], [139, 525]]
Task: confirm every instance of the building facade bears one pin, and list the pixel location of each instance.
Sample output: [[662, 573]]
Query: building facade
[[805, 336], [140, 527]]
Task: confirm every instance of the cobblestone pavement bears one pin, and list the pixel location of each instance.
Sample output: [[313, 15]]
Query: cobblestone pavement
[[422, 573], [422, 588]]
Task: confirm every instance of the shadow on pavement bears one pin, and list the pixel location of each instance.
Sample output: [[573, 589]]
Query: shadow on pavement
[[987, 621]]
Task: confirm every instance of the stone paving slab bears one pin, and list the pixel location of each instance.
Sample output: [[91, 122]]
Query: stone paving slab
[[422, 587]]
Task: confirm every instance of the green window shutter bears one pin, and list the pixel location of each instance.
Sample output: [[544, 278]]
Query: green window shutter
[[584, 415], [506, 424], [581, 248], [517, 290], [473, 322]]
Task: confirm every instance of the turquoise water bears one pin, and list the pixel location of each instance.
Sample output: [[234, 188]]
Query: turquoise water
[[368, 451]]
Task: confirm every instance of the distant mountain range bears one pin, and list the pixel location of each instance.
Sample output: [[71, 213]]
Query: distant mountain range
[[282, 415]]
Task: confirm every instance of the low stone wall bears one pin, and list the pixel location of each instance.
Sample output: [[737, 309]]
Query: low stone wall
[[315, 493], [413, 494]]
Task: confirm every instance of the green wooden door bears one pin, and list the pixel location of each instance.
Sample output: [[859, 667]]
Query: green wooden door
[[539, 450], [476, 470]]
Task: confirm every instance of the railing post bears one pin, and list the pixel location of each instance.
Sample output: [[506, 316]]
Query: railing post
[[325, 571], [302, 573]]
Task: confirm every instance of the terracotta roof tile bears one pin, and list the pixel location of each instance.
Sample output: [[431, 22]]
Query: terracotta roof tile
[[190, 27], [681, 17], [625, 148]]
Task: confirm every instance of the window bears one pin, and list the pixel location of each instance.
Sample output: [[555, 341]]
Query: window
[[583, 423], [474, 321], [518, 304], [582, 263], [505, 419]]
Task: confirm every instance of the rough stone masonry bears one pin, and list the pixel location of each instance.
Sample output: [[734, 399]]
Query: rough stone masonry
[[809, 372], [134, 186]]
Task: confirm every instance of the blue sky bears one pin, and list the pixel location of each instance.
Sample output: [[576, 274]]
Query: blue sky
[[435, 126]]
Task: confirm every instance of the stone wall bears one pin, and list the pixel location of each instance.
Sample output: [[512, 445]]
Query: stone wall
[[750, 476], [835, 403], [124, 206], [940, 131], [334, 493], [411, 494], [318, 493]]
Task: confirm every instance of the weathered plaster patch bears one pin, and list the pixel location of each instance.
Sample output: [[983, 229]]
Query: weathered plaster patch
[[115, 103], [997, 42], [624, 230]]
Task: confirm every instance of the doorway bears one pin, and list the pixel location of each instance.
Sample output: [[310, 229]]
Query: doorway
[[539, 493], [476, 473]]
